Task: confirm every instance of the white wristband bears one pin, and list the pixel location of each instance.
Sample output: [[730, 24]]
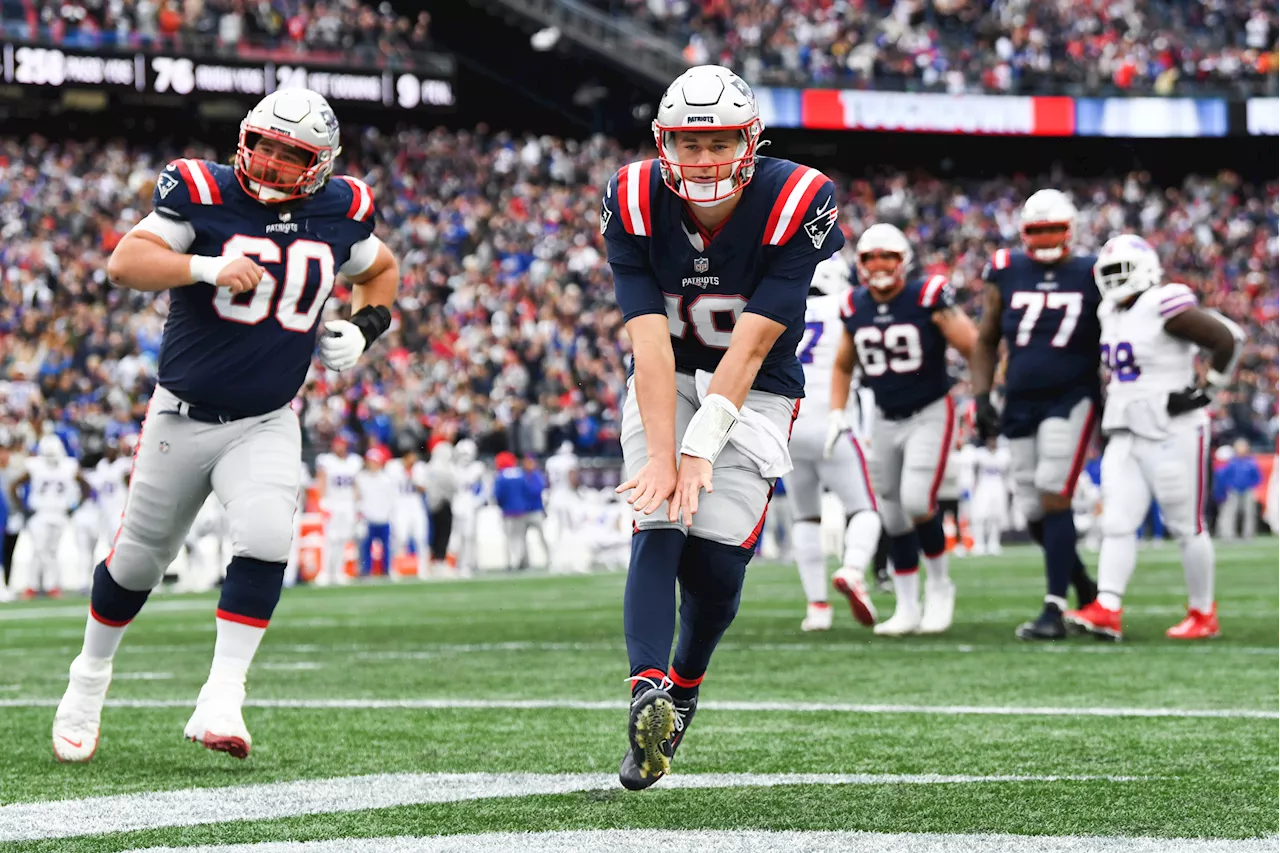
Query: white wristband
[[205, 268], [1216, 379], [709, 429]]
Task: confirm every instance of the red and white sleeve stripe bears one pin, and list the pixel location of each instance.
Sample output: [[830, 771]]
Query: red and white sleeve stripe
[[201, 186], [634, 190], [792, 202], [361, 199], [1000, 260], [932, 288]]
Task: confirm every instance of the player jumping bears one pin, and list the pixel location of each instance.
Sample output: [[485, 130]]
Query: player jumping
[[1044, 305], [844, 471], [249, 254], [898, 330], [712, 249], [1157, 428]]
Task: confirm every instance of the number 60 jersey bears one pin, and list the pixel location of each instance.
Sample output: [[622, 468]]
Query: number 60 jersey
[[249, 354]]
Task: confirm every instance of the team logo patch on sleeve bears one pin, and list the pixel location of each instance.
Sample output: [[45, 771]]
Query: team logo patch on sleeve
[[605, 215], [165, 184], [820, 226]]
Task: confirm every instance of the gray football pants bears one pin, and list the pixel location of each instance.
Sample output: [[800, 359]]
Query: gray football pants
[[909, 461], [251, 464]]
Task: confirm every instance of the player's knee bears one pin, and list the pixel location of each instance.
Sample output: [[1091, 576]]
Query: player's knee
[[262, 528]]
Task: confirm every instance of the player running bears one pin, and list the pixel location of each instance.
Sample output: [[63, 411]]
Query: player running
[[1043, 303], [898, 330], [249, 254], [712, 249], [843, 472], [1157, 428]]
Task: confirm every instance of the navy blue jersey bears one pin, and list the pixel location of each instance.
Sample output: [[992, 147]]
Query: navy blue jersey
[[902, 352], [248, 354], [761, 261], [1049, 321]]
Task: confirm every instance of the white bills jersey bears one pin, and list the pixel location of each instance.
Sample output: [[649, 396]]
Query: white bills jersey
[[1147, 363], [560, 467], [338, 473], [410, 482], [817, 353], [53, 485], [109, 480]]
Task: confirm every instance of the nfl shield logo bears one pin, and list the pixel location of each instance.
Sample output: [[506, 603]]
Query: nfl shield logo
[[701, 265]]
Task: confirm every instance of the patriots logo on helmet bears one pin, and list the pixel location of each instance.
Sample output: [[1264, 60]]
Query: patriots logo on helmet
[[165, 184], [820, 226]]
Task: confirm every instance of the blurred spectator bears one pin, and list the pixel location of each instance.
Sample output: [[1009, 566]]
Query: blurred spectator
[[1235, 488]]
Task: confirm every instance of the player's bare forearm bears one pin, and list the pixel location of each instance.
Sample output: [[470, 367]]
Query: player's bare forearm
[[378, 284], [753, 337], [958, 329], [1207, 331], [986, 347], [655, 382], [842, 372], [143, 261]]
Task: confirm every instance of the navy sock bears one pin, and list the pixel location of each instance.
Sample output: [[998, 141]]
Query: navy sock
[[111, 603], [649, 602], [905, 551], [1060, 556], [711, 576], [251, 591], [933, 539]]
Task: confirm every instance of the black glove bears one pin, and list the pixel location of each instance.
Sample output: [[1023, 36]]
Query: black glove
[[372, 321], [985, 417], [1188, 400]]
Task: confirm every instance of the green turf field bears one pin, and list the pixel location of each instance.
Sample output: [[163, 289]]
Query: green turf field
[[498, 706]]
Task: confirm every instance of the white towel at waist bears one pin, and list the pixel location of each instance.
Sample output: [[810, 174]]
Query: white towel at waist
[[754, 435]]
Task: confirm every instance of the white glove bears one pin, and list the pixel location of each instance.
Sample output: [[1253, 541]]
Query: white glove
[[341, 345], [837, 425]]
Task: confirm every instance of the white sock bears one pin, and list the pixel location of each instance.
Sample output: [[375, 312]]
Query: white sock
[[809, 560], [861, 536], [101, 641], [936, 568], [233, 651], [906, 587], [993, 536], [1198, 567], [1116, 562]]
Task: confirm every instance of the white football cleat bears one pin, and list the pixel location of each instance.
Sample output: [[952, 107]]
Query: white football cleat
[[905, 620], [79, 716], [939, 607], [818, 617], [218, 723], [849, 584]]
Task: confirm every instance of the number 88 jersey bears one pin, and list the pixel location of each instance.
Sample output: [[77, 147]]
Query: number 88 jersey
[[248, 354], [902, 352]]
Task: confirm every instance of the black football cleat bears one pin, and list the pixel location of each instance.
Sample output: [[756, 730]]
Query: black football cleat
[[656, 727], [1047, 626]]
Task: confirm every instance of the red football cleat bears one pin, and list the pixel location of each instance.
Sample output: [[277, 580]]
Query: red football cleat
[[1198, 625], [1096, 620]]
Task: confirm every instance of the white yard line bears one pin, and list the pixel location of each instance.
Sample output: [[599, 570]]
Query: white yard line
[[716, 841], [721, 705], [195, 806]]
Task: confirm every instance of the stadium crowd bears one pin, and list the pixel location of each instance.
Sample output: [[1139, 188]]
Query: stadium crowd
[[506, 330], [999, 46], [318, 30]]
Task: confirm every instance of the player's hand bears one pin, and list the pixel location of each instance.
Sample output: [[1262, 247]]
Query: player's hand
[[1187, 400], [837, 425], [240, 276], [341, 345], [985, 417], [693, 477], [651, 485]]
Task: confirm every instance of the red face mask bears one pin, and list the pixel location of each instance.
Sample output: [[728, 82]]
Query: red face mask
[[271, 178]]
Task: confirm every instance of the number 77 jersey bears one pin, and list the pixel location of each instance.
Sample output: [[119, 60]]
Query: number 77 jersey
[[1049, 321]]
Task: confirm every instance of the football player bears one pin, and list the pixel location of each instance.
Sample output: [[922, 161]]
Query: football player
[[712, 249], [249, 254], [54, 486], [843, 472], [336, 473], [1157, 428], [1043, 303], [989, 505], [898, 330], [473, 493], [562, 503]]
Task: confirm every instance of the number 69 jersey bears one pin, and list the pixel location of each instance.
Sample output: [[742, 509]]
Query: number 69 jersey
[[1147, 363], [248, 354], [902, 352]]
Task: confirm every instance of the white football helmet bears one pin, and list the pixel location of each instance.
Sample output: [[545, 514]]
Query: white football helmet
[[708, 98], [883, 237], [442, 452], [51, 447], [565, 448], [1126, 266], [301, 119], [1044, 216], [465, 452], [832, 276]]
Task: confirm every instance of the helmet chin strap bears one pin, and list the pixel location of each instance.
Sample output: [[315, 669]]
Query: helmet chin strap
[[267, 193]]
